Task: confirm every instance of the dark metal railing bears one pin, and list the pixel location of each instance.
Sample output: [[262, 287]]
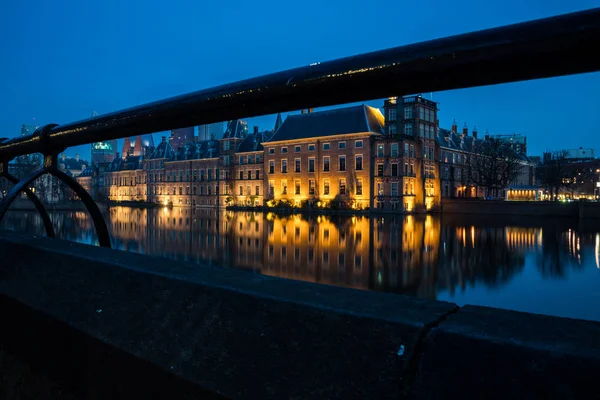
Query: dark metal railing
[[561, 45]]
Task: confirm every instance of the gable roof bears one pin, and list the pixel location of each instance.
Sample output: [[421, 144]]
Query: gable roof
[[356, 119]]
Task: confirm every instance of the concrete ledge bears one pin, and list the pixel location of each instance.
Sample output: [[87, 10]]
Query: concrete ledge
[[110, 324], [488, 353]]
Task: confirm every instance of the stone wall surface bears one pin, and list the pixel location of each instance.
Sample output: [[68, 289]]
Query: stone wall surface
[[85, 322]]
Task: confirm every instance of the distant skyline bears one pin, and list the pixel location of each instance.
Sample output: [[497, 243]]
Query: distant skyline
[[62, 62]]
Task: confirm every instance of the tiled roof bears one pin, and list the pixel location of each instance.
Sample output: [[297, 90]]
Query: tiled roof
[[163, 150], [73, 163], [198, 150], [458, 141], [253, 142], [355, 119]]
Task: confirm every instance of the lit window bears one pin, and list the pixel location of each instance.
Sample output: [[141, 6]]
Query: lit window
[[379, 169], [326, 187], [359, 162], [284, 186], [359, 187], [311, 187], [342, 187], [379, 150], [297, 186], [326, 164]]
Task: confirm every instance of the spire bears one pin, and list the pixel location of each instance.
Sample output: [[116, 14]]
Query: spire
[[277, 122], [137, 147], [126, 147], [454, 127]]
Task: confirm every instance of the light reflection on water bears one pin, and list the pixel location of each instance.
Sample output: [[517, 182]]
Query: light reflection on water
[[544, 266]]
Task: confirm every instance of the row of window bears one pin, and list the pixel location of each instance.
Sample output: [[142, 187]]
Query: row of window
[[312, 188], [358, 164], [409, 170], [250, 159], [311, 147], [453, 157], [425, 114], [409, 189], [248, 174], [196, 190], [409, 150]]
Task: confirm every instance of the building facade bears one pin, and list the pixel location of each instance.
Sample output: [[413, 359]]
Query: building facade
[[346, 158], [323, 158]]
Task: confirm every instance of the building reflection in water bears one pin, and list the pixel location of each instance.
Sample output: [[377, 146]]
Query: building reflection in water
[[417, 255]]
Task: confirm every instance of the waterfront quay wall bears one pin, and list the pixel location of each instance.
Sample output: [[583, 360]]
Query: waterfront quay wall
[[575, 209], [83, 322]]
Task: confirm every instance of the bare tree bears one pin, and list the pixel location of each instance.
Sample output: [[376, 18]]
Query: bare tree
[[494, 166], [553, 171]]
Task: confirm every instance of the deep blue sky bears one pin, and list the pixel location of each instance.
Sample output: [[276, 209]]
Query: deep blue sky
[[62, 59]]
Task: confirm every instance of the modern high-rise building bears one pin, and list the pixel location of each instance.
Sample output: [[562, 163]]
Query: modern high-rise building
[[515, 141], [210, 131], [181, 136], [103, 152]]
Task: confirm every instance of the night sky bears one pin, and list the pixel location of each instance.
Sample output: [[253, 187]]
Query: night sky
[[63, 59]]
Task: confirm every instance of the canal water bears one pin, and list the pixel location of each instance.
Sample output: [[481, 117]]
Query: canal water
[[548, 266]]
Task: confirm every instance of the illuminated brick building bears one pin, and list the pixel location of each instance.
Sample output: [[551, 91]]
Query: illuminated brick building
[[405, 167], [323, 157]]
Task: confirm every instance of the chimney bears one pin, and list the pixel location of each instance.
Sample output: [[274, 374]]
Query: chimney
[[474, 132], [303, 111], [64, 156], [77, 157], [256, 130], [310, 110], [465, 130], [454, 127]]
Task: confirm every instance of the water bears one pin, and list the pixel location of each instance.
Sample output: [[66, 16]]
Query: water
[[547, 266]]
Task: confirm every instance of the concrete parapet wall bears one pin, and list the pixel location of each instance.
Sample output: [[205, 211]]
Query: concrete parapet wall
[[112, 322], [87, 322]]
